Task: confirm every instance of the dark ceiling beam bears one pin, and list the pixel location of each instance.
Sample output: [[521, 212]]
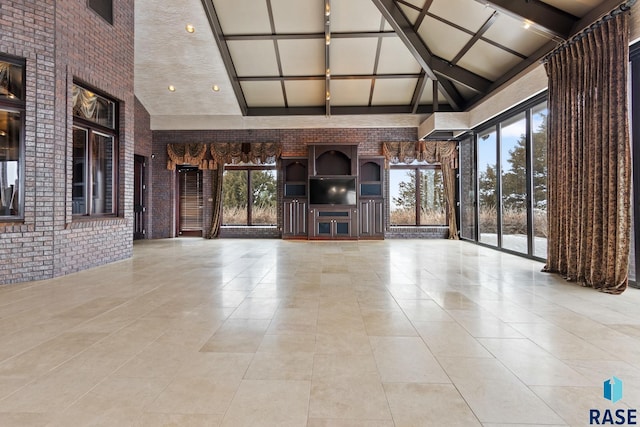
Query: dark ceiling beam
[[433, 66], [333, 77], [341, 111], [417, 94], [218, 35], [547, 18], [309, 36]]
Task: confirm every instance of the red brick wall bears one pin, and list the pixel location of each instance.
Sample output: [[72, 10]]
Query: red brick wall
[[26, 247], [62, 41], [295, 143]]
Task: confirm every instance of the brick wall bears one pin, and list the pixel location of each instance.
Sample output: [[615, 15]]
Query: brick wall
[[62, 41], [295, 143], [26, 247]]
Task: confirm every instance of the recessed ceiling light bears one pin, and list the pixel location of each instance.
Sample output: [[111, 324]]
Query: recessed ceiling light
[[215, 88], [3, 133], [526, 25], [171, 88], [190, 28]]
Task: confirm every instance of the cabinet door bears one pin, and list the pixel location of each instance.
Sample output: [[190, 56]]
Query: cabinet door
[[295, 218], [301, 218], [372, 218], [377, 217], [289, 217]]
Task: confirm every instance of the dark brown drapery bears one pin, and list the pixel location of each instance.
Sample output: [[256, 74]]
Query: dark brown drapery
[[589, 158], [216, 197], [443, 152], [188, 154], [234, 153]]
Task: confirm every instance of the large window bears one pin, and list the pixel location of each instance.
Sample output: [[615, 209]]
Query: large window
[[11, 135], [249, 196], [417, 195], [511, 159], [95, 143], [467, 189], [487, 187]]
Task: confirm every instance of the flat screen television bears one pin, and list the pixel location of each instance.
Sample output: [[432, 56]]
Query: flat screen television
[[332, 191]]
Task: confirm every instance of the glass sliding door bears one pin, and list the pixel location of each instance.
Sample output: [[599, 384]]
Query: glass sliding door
[[467, 189], [539, 178], [513, 173], [487, 187]]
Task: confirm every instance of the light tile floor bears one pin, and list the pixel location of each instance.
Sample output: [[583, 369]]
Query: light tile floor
[[193, 332]]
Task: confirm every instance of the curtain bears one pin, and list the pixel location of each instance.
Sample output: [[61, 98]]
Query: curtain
[[216, 196], [85, 102], [188, 154], [589, 158], [443, 152], [255, 153]]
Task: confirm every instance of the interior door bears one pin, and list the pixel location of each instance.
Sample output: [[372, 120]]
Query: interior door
[[139, 208], [190, 202]]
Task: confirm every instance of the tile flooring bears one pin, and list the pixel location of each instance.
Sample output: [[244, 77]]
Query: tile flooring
[[191, 332]]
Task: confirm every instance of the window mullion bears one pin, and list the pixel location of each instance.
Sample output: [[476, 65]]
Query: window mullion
[[249, 198]]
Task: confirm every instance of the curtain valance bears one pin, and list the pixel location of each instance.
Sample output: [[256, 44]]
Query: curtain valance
[[235, 152], [188, 154], [428, 151]]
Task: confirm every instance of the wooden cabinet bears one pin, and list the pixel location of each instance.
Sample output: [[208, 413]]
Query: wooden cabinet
[[295, 173], [371, 218], [370, 196], [294, 203], [295, 219], [334, 223]]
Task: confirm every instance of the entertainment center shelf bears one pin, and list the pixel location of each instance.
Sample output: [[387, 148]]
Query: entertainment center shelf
[[332, 194]]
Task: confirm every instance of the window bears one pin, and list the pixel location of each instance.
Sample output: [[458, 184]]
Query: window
[[416, 195], [104, 8], [95, 148], [511, 172], [11, 136], [487, 187], [249, 196]]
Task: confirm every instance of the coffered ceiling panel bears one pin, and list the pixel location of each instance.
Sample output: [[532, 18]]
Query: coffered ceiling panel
[[354, 15], [305, 93], [298, 16], [511, 32], [394, 91], [396, 59], [448, 47], [488, 61], [243, 16], [263, 94], [352, 92], [302, 57], [468, 14], [353, 56], [254, 58]]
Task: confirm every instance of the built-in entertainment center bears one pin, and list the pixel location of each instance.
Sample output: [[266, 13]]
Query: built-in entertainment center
[[333, 194]]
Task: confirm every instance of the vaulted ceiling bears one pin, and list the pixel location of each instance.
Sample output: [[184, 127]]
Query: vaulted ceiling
[[341, 57]]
